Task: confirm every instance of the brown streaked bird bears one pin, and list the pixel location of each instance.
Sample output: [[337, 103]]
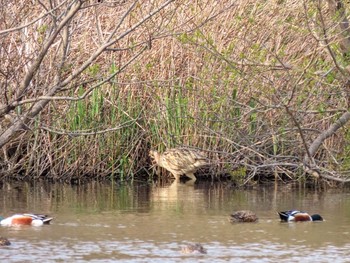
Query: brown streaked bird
[[4, 241], [243, 216], [194, 249], [180, 161]]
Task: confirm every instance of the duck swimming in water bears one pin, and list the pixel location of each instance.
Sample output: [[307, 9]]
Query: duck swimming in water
[[194, 249], [26, 219], [298, 216], [243, 216], [4, 241]]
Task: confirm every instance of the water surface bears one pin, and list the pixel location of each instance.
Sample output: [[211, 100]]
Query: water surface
[[99, 222]]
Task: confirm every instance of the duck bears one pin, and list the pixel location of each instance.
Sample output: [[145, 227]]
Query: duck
[[180, 161], [298, 216], [4, 241], [26, 219], [243, 216], [196, 248]]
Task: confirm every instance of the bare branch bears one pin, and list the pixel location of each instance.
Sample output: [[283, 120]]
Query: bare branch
[[88, 91], [9, 30], [111, 41], [20, 123], [315, 145]]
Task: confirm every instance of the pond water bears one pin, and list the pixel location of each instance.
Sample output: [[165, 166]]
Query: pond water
[[99, 222]]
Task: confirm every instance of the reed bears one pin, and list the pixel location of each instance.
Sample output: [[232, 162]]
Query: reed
[[222, 87]]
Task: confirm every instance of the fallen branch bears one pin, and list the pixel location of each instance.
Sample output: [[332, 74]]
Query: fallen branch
[[310, 166]]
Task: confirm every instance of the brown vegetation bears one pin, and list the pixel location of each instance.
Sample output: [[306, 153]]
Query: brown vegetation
[[89, 87]]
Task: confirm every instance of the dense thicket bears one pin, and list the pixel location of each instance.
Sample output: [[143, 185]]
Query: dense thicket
[[89, 87]]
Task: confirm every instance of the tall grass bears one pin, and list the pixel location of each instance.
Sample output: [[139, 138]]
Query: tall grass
[[222, 88]]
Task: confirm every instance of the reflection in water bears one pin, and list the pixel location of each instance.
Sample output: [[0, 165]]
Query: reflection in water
[[142, 223]]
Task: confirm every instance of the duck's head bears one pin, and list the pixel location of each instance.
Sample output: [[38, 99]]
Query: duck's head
[[317, 217]]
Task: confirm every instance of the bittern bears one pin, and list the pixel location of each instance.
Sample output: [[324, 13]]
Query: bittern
[[180, 161]]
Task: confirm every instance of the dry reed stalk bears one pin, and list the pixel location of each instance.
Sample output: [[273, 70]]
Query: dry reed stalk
[[217, 76]]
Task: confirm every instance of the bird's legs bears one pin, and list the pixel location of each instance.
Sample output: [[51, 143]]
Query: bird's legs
[[177, 177]]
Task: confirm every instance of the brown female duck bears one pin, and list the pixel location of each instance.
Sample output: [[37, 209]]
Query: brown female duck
[[243, 216], [194, 249], [4, 241]]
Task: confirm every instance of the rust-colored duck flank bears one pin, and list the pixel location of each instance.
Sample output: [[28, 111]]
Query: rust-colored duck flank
[[180, 161]]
